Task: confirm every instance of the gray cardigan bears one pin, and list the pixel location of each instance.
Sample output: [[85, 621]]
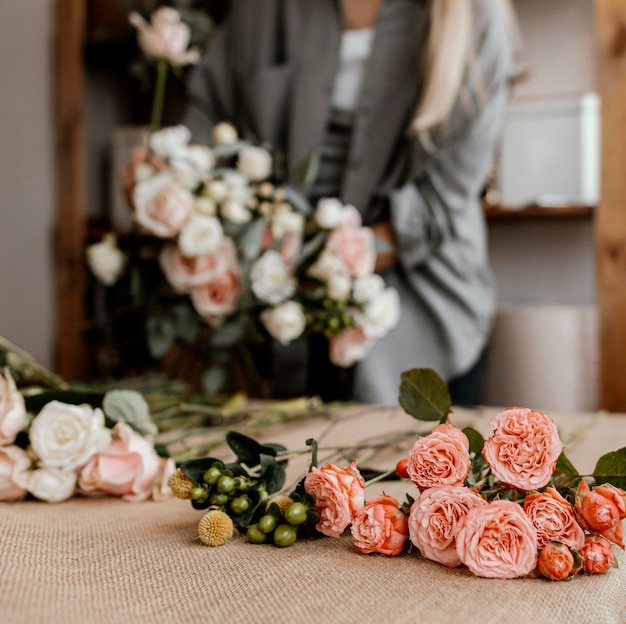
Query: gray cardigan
[[270, 70]]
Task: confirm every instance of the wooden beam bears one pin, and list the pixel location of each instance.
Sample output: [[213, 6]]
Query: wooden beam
[[70, 217], [610, 220]]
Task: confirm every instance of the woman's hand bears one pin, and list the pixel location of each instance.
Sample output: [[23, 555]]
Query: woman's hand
[[387, 259]]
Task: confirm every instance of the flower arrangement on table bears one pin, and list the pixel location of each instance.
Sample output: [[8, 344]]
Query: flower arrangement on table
[[506, 507], [243, 254]]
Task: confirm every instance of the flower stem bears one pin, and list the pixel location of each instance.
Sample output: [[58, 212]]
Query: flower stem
[[380, 477], [159, 96]]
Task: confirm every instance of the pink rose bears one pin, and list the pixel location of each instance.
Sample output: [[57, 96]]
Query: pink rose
[[602, 510], [524, 448], [338, 496], [13, 462], [161, 205], [217, 298], [380, 527], [556, 562], [348, 347], [434, 518], [554, 519], [497, 540], [354, 246], [289, 247], [12, 409], [440, 458], [597, 554], [185, 273], [161, 488], [127, 468]]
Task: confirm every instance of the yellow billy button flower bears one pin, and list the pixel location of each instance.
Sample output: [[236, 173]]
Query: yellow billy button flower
[[282, 501], [215, 528], [180, 484]]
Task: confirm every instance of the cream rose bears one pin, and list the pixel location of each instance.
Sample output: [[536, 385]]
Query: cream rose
[[217, 190], [284, 223], [285, 322], [67, 436], [162, 206], [13, 415], [235, 211], [255, 163], [14, 462], [224, 133], [201, 235], [168, 142], [381, 314], [326, 265], [328, 213], [50, 484], [106, 260], [367, 287], [272, 280], [339, 286]]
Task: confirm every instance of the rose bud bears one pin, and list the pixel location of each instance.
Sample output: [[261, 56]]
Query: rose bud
[[602, 510], [597, 554], [556, 562]]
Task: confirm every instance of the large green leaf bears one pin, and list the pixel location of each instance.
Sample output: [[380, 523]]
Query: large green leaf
[[611, 468], [247, 449], [424, 394], [476, 440]]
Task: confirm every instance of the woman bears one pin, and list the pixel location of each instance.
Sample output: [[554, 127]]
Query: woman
[[402, 102]]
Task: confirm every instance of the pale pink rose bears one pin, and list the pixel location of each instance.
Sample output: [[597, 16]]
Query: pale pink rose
[[380, 527], [338, 496], [218, 298], [165, 37], [597, 554], [348, 347], [162, 206], [12, 409], [185, 273], [13, 462], [161, 488], [497, 540], [556, 562], [440, 458], [289, 248], [434, 518], [554, 519], [602, 510], [354, 246], [524, 448], [129, 467]]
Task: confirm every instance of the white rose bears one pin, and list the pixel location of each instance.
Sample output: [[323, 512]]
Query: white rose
[[328, 212], [233, 179], [272, 280], [217, 190], [205, 206], [235, 211], [284, 223], [202, 235], [326, 265], [168, 142], [52, 485], [161, 205], [380, 314], [66, 436], [339, 286], [285, 322], [224, 133], [143, 171], [367, 287], [106, 260], [255, 163], [13, 415], [13, 463], [202, 158]]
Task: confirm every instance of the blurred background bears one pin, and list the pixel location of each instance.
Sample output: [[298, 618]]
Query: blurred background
[[541, 204]]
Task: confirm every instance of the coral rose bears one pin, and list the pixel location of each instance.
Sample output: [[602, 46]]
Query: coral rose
[[524, 448], [354, 246], [602, 510], [338, 496], [556, 562], [497, 540], [380, 527], [440, 458], [554, 519], [597, 554], [433, 521]]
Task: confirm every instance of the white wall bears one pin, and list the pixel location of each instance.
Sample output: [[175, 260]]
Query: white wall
[[27, 188]]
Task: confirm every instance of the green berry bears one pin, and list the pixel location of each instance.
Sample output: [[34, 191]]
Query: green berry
[[218, 498], [225, 484], [212, 475], [240, 504], [295, 513], [267, 523], [254, 535], [284, 535], [263, 497], [198, 493]]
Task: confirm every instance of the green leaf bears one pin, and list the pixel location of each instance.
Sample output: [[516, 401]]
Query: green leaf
[[298, 200], [160, 334], [130, 407], [249, 242], [227, 150], [186, 322], [213, 379], [476, 440], [611, 468], [565, 466], [248, 450], [424, 394], [35, 402], [229, 334], [308, 169], [195, 468], [272, 473], [310, 248]]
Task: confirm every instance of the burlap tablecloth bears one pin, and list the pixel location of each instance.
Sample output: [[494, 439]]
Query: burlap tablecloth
[[108, 561]]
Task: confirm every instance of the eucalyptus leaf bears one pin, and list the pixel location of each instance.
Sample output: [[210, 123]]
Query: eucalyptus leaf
[[611, 468], [228, 334], [248, 450], [227, 150], [310, 248], [130, 407], [298, 200], [308, 170], [424, 395], [186, 322], [250, 239], [160, 334], [213, 379]]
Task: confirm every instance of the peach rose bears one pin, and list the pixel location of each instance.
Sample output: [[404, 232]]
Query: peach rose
[[185, 273], [524, 448], [129, 467], [597, 554], [217, 298], [433, 521], [13, 462], [348, 347], [12, 409], [556, 562], [602, 510], [338, 496], [497, 540], [380, 527], [354, 246], [440, 458], [554, 519]]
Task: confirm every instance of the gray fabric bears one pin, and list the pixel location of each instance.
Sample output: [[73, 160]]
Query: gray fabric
[[275, 60]]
